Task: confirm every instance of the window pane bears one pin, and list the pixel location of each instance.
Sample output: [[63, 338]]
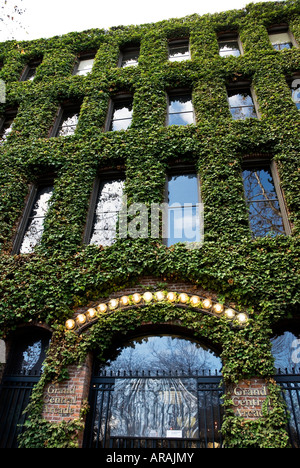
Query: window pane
[[181, 110], [264, 209], [106, 214], [241, 105], [183, 189], [35, 226], [28, 353], [130, 58], [283, 350], [6, 129], [85, 67], [179, 52], [281, 41], [229, 48], [296, 93], [183, 212], [68, 124], [122, 115]]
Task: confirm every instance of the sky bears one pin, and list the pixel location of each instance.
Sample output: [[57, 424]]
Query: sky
[[57, 17]]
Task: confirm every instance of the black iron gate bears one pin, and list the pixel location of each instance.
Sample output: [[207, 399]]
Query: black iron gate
[[15, 392], [154, 411], [290, 385]]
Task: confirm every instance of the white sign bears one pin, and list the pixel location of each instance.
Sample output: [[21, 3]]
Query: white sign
[[174, 434]]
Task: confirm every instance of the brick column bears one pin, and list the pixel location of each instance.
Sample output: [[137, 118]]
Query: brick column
[[248, 397], [63, 401]]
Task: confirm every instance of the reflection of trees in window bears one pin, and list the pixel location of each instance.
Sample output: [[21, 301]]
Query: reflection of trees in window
[[35, 226], [28, 353], [68, 123], [261, 197], [7, 126], [129, 57], [165, 354], [241, 104], [106, 213], [284, 350], [144, 406], [179, 51]]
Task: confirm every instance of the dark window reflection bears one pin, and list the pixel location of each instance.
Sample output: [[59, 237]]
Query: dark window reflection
[[28, 353], [264, 210], [227, 48], [130, 57]]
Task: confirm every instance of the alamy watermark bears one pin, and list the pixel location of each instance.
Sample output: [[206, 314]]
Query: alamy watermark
[[174, 223]]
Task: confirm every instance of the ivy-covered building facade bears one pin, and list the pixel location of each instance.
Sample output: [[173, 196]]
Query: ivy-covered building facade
[[149, 213]]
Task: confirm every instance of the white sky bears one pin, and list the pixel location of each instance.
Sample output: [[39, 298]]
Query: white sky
[[55, 17]]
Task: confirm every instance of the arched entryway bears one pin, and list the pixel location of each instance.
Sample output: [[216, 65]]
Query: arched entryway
[[156, 391], [27, 352]]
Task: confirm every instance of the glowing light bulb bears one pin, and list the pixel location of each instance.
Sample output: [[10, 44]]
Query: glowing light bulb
[[136, 298], [171, 296], [183, 297], [207, 303], [92, 313], [102, 308], [113, 304], [124, 300], [81, 319], [218, 308], [160, 295], [195, 300], [242, 318], [70, 324], [229, 313], [148, 296]]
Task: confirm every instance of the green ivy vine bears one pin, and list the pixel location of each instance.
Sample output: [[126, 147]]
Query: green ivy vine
[[62, 275]]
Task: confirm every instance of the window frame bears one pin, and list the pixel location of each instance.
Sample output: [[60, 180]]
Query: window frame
[[102, 176], [30, 65], [9, 115], [230, 36], [81, 57], [282, 29], [119, 97], [239, 87], [178, 42], [29, 203], [64, 107], [178, 170], [251, 163], [125, 49], [179, 92]]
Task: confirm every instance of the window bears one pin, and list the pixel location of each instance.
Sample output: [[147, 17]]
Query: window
[[229, 45], [267, 216], [129, 56], [6, 124], [102, 223], [30, 71], [32, 225], [120, 115], [183, 192], [84, 65], [180, 110], [179, 50], [66, 121], [295, 89], [281, 38], [241, 103]]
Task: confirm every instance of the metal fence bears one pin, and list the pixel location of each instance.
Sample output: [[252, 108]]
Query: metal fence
[[15, 392], [290, 385], [154, 411]]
